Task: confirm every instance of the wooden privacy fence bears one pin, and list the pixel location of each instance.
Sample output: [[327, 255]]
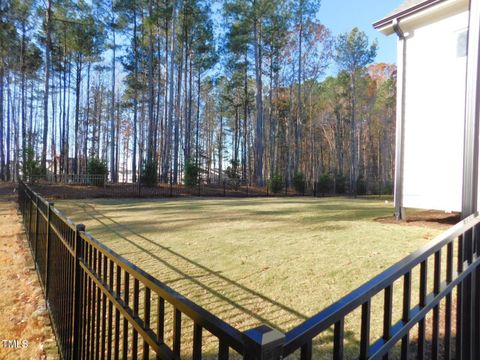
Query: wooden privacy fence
[[102, 306]]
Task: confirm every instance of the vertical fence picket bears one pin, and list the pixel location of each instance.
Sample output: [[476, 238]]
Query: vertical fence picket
[[118, 289], [407, 293], [177, 331], [436, 309], [365, 330], [77, 291], [126, 290], [146, 320], [47, 247], [387, 314], [338, 337], [35, 255], [459, 347], [197, 342], [136, 291], [422, 303]]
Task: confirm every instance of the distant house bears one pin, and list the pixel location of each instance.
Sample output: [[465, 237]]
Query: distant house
[[437, 103]]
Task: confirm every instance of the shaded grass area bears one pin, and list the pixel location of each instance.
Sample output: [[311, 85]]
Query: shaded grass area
[[276, 261]]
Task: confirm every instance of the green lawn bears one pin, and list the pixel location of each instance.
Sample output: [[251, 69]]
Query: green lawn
[[249, 261]]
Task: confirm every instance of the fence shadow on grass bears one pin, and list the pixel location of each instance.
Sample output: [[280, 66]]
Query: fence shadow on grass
[[249, 306]]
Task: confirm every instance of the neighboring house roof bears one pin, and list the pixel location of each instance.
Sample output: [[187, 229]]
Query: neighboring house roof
[[407, 8]]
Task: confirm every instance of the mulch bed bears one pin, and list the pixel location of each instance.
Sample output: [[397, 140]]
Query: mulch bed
[[428, 218]]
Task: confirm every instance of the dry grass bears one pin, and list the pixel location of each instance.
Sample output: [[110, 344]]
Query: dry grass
[[251, 261]]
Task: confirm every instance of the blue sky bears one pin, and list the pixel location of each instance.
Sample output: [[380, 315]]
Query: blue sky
[[342, 15]]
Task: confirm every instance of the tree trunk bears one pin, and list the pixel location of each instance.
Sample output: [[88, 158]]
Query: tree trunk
[[151, 132], [176, 136], [135, 96], [259, 107], [171, 104], [220, 149], [78, 81], [113, 174], [23, 102], [353, 140], [245, 119], [87, 119], [48, 46], [2, 151], [298, 123]]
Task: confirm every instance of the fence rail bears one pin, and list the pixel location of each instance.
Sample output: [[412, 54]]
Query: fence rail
[[103, 306]]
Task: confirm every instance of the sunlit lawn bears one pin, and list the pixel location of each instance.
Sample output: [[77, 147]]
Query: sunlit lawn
[[259, 260]]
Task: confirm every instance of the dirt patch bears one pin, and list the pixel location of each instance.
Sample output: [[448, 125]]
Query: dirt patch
[[429, 219], [25, 331]]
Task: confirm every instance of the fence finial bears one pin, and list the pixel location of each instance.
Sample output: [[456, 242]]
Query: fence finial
[[263, 343]]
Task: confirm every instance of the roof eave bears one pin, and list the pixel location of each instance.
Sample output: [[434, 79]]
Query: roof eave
[[385, 25]]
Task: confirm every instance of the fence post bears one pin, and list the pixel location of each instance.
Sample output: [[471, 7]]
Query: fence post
[[224, 190], [36, 233], [171, 188], [263, 343], [77, 292], [314, 189], [47, 244], [286, 188]]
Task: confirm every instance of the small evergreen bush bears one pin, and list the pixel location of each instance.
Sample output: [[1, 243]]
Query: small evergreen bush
[[325, 184], [191, 173], [275, 184], [388, 188], [148, 174], [361, 186], [340, 184], [233, 176], [31, 166], [299, 182], [98, 171]]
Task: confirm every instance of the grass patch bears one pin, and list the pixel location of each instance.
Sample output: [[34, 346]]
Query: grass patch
[[250, 261]]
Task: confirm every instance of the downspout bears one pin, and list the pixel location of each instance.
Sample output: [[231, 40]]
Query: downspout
[[472, 114], [400, 213]]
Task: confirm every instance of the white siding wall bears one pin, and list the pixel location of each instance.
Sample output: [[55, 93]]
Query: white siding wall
[[434, 115]]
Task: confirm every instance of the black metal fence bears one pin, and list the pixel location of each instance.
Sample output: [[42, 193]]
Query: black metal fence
[[102, 306], [85, 186]]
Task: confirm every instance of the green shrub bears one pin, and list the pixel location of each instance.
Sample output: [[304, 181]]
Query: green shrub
[[148, 174], [191, 173], [388, 188], [275, 184], [325, 184], [98, 171], [340, 184], [233, 175], [361, 186], [31, 166], [299, 182]]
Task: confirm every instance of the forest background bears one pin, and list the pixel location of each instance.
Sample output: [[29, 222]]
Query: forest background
[[153, 90]]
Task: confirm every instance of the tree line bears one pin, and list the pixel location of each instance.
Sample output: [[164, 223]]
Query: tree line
[[231, 88]]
